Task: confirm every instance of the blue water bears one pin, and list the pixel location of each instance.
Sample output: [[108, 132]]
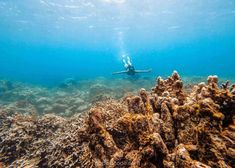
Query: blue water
[[46, 41]]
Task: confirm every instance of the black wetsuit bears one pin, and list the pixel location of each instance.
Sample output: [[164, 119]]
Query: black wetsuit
[[130, 70]]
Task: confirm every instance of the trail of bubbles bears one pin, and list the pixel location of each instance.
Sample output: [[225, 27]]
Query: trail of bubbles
[[123, 54]]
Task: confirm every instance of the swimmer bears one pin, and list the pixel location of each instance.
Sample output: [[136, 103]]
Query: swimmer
[[130, 70]]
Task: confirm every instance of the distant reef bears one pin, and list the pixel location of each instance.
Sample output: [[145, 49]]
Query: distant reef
[[170, 126]]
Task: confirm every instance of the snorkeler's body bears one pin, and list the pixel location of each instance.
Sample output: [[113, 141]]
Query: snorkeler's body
[[130, 70]]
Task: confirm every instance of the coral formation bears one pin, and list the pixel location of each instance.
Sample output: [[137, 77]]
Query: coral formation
[[5, 86], [67, 99], [165, 127]]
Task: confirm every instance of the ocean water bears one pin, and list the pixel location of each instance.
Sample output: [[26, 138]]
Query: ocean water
[[47, 41], [61, 106]]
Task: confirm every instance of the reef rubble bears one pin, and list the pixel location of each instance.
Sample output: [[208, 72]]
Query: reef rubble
[[165, 127]]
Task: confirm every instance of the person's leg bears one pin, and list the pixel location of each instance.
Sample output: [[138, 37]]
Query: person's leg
[[129, 61], [125, 63]]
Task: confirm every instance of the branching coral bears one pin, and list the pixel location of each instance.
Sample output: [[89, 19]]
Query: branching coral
[[167, 127]]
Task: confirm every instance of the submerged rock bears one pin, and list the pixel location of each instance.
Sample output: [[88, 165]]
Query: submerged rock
[[166, 127], [5, 86], [68, 83]]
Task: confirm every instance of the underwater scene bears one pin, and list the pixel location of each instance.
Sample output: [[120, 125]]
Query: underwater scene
[[117, 84]]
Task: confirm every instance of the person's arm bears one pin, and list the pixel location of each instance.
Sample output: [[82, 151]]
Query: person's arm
[[143, 71], [120, 72]]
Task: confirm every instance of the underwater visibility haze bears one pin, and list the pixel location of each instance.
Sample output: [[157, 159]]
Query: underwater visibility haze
[[79, 85], [46, 41]]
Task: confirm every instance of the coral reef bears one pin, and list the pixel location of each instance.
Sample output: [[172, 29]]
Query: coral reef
[[67, 99], [168, 126], [6, 86]]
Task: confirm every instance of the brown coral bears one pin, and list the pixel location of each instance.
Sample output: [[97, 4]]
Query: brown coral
[[167, 127]]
